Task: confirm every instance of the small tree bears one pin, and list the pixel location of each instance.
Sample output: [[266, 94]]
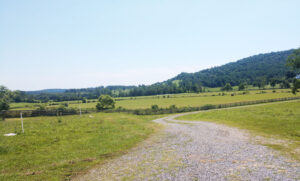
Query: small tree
[[227, 87], [242, 86], [105, 102]]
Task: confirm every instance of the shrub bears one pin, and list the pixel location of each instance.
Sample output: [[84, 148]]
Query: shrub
[[41, 107], [207, 107], [154, 107], [61, 108]]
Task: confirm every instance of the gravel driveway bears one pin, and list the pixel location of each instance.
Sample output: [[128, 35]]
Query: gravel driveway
[[197, 151]]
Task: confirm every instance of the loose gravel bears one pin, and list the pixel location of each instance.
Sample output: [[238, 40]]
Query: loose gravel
[[187, 150]]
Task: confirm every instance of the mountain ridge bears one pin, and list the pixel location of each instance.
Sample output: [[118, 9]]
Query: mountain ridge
[[264, 64], [252, 70]]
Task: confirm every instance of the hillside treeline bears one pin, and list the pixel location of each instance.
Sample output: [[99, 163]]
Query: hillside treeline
[[249, 70], [258, 70]]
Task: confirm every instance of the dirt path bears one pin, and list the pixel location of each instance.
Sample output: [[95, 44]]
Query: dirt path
[[197, 151]]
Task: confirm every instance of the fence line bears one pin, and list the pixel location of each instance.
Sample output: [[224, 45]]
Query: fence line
[[63, 112]]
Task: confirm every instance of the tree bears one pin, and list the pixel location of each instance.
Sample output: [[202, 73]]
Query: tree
[[273, 82], [285, 84], [105, 102], [261, 82], [227, 87], [5, 96], [290, 74], [18, 96], [296, 86], [242, 86], [294, 61]]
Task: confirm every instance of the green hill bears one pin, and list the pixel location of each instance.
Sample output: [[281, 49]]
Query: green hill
[[268, 65], [251, 70]]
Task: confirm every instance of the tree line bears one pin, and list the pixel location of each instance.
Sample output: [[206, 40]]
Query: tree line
[[259, 71]]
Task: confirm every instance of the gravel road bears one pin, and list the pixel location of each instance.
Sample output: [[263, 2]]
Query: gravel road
[[186, 150]]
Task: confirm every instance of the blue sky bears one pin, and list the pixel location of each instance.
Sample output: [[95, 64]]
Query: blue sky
[[76, 44]]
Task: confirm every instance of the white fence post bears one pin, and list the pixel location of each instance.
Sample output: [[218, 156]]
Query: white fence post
[[22, 122], [80, 110]]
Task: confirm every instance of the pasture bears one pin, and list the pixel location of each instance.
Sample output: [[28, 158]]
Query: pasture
[[277, 120], [57, 148], [164, 101], [194, 100]]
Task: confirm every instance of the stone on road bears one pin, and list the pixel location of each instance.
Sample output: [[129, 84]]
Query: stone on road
[[186, 150]]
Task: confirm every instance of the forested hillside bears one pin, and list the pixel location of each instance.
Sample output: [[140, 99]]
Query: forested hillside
[[255, 70], [248, 70]]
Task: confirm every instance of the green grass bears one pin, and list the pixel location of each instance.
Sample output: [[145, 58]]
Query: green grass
[[57, 148], [199, 99], [280, 120], [190, 99], [180, 100], [23, 106]]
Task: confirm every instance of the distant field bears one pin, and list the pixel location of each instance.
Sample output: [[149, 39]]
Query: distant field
[[23, 106], [180, 100], [280, 120], [199, 100], [56, 148], [236, 88]]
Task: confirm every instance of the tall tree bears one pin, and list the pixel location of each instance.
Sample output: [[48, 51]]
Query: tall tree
[[5, 96], [294, 61]]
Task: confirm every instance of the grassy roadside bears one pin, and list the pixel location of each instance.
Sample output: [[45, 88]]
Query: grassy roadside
[[57, 148], [277, 120]]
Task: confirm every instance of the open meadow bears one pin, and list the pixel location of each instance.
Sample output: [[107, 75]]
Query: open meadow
[[194, 100], [149, 90], [164, 101], [56, 148], [277, 120]]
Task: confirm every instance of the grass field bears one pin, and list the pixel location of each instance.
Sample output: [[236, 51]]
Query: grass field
[[199, 100], [280, 120], [57, 148], [180, 100]]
